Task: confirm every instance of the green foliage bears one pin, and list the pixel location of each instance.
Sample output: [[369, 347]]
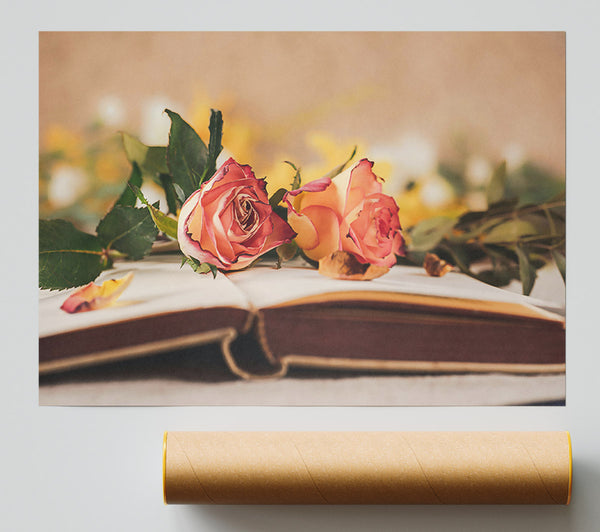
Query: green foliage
[[67, 257], [215, 129], [277, 197], [498, 245], [527, 271], [128, 230], [166, 182], [163, 222], [297, 181], [135, 180], [152, 160], [187, 155], [495, 191], [199, 267], [531, 184], [427, 234]]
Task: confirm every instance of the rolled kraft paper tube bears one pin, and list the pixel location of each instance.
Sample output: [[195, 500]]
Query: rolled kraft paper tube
[[367, 467]]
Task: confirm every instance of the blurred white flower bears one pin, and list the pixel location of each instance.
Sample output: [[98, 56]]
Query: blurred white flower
[[411, 156], [155, 122], [67, 184], [478, 170], [514, 155], [111, 111], [436, 192], [416, 155]]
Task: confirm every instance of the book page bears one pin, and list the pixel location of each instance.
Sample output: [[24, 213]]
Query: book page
[[159, 286], [265, 286]]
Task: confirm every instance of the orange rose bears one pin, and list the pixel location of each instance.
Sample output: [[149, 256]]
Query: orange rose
[[348, 213], [228, 221]]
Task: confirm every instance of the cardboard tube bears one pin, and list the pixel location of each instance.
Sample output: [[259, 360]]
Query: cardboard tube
[[367, 467]]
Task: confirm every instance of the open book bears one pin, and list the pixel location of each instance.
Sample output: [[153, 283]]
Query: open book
[[403, 321]]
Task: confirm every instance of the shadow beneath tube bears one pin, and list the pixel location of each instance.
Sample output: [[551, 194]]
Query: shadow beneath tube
[[381, 518]]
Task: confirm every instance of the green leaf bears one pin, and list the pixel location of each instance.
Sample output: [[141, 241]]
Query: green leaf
[[166, 182], [526, 271], [338, 169], [200, 267], [500, 276], [214, 144], [561, 263], [67, 257], [214, 270], [135, 179], [496, 188], [151, 159], [128, 230], [276, 198], [297, 181], [187, 155], [503, 207], [179, 193], [427, 234], [511, 231], [163, 222]]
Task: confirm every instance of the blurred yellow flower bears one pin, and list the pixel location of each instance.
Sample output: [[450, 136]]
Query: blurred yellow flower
[[68, 144], [331, 154], [110, 167], [423, 201]]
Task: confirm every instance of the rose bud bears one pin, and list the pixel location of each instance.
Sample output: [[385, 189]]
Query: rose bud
[[348, 213], [228, 221]]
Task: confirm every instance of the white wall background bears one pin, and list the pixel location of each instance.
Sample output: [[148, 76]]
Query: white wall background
[[97, 469]]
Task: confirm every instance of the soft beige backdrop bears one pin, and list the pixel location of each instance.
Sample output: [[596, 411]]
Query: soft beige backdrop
[[495, 89]]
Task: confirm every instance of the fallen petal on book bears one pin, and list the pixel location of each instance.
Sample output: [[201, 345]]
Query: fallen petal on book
[[436, 267], [344, 265], [93, 296]]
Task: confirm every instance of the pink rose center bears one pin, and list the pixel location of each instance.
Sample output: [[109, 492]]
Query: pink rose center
[[245, 213], [383, 221]]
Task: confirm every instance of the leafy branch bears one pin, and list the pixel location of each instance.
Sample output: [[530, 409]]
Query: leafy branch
[[70, 257], [497, 245]]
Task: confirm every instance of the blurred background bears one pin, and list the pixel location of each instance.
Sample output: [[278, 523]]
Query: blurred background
[[437, 112]]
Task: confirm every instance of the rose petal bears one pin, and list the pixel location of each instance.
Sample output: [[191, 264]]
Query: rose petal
[[327, 226], [318, 185], [362, 183], [229, 171], [344, 265], [188, 246], [282, 233], [93, 296]]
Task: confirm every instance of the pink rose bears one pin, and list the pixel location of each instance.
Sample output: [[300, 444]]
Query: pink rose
[[228, 221], [348, 213]]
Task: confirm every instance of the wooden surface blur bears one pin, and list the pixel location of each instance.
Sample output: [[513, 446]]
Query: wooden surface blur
[[495, 89]]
